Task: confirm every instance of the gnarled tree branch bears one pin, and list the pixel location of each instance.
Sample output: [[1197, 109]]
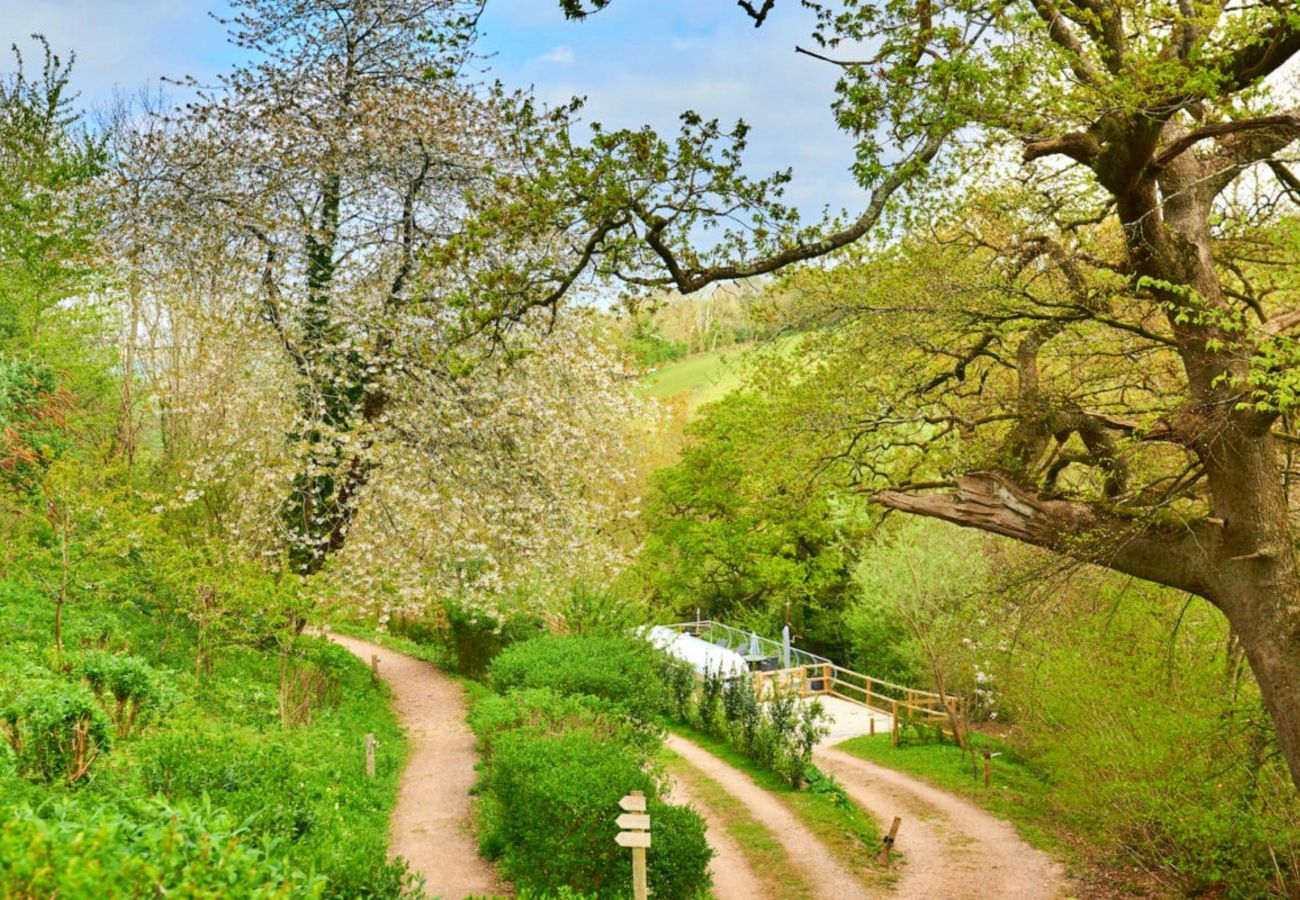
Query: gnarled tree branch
[[994, 503]]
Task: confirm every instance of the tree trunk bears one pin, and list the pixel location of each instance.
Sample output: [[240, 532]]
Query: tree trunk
[[1257, 584], [1255, 581]]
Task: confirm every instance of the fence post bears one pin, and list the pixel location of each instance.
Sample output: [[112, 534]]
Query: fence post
[[894, 720], [370, 755], [887, 842]]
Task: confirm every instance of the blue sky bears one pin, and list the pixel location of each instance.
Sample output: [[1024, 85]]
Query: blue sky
[[638, 61]]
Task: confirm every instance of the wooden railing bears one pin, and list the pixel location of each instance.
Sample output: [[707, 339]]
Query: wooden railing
[[828, 679], [813, 675]]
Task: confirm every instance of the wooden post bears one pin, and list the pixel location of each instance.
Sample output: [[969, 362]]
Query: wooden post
[[374, 666], [871, 726], [371, 743], [887, 843], [826, 678], [640, 890], [894, 721], [637, 837], [988, 766]]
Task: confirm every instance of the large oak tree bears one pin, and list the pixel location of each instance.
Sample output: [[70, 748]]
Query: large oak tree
[[1144, 117]]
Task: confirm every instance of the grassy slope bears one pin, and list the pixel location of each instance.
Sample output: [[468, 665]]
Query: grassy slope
[[222, 747], [705, 377]]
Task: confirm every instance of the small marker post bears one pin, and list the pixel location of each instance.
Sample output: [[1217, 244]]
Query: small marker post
[[887, 843], [371, 744], [635, 835]]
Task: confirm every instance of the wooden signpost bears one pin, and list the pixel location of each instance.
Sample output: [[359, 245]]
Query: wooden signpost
[[636, 835]]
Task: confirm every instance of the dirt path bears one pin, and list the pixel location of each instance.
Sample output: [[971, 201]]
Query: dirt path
[[733, 879], [954, 849], [430, 821], [828, 879]]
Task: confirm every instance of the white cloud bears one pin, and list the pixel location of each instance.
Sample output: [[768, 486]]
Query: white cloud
[[645, 64], [561, 54]]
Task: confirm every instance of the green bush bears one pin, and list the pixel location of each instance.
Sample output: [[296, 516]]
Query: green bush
[[623, 671], [131, 690], [779, 735], [57, 730], [253, 781], [70, 852], [594, 610], [678, 860], [558, 798], [651, 349], [330, 657], [425, 632], [679, 681], [542, 711], [475, 636]]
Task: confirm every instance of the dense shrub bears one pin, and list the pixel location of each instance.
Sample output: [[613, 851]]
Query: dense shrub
[[57, 731], [130, 689], [254, 782], [573, 733], [70, 852], [623, 671], [596, 610], [558, 797], [679, 854], [542, 711], [426, 632], [779, 734], [650, 348], [476, 636], [327, 655]]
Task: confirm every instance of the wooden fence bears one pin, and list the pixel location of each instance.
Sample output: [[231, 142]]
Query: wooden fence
[[812, 675], [830, 680]]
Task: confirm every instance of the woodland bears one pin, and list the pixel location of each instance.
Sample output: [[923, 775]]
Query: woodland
[[360, 337]]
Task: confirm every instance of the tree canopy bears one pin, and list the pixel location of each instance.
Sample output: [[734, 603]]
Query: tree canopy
[[1093, 314]]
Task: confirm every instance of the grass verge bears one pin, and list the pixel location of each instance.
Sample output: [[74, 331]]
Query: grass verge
[[767, 858], [1016, 791], [435, 655], [846, 831]]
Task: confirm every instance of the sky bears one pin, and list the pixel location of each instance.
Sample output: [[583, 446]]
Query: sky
[[637, 62]]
